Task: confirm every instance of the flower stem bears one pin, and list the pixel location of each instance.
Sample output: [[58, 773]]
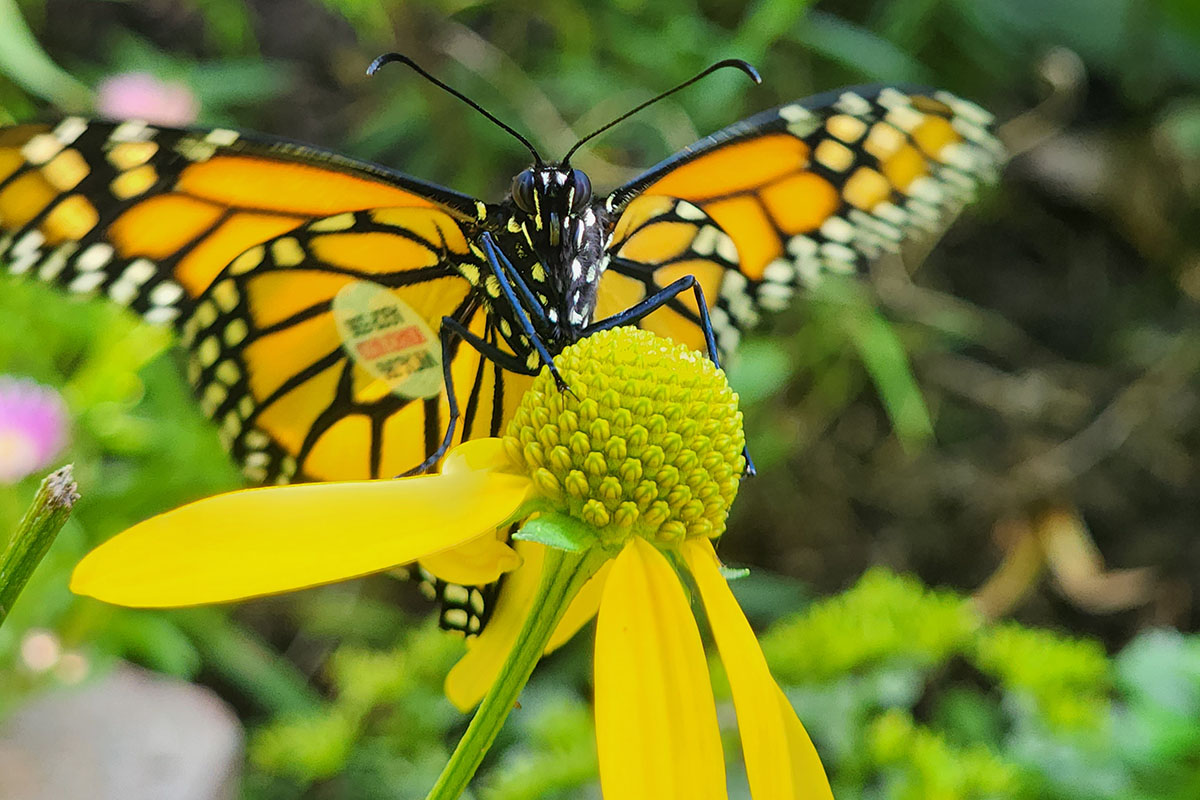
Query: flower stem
[[33, 537], [563, 575]]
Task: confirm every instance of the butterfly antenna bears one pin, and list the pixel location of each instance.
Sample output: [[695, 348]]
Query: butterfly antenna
[[388, 58], [736, 63]]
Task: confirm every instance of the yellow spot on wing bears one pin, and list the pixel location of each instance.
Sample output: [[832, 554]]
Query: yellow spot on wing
[[339, 222], [933, 134], [866, 188], [883, 141], [287, 252], [128, 155], [834, 155], [846, 127], [134, 182], [66, 170], [247, 261], [904, 167], [24, 199], [70, 220], [225, 294]]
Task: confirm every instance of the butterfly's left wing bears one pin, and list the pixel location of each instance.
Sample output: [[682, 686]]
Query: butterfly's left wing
[[771, 203]]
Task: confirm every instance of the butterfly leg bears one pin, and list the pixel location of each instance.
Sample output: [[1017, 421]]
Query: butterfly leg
[[656, 301], [531, 303], [637, 312], [453, 328], [494, 256]]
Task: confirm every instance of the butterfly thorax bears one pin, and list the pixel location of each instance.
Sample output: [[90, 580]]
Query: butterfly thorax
[[553, 234]]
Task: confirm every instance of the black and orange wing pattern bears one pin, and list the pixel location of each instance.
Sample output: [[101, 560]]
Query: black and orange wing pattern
[[258, 251], [298, 348], [769, 204]]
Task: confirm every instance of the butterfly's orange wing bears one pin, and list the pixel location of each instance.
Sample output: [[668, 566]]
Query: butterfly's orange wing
[[771, 203], [149, 216], [317, 352], [246, 246]]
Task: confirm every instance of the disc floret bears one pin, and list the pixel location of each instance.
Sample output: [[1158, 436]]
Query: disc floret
[[647, 441]]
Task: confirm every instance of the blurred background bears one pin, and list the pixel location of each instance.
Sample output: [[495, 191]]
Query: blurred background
[[973, 538]]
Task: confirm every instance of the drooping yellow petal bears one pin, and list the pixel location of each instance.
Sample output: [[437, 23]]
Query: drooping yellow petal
[[781, 762], [476, 455], [656, 722], [263, 541], [474, 673], [479, 561]]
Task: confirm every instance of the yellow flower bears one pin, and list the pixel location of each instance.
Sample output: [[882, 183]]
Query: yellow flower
[[623, 483]]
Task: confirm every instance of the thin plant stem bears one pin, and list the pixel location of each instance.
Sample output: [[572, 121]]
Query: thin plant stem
[[25, 550], [563, 574]]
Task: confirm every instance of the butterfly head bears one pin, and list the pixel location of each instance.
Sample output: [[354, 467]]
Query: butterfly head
[[550, 195], [552, 205]]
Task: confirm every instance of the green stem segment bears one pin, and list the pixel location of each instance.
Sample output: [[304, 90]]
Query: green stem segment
[[563, 575], [42, 522]]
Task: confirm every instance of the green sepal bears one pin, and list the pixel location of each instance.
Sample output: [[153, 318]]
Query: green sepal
[[560, 531], [733, 573]]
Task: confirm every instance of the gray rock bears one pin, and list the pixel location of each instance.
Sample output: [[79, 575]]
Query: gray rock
[[131, 736]]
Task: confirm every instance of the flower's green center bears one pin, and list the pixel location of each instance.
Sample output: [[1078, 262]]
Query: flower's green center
[[647, 441]]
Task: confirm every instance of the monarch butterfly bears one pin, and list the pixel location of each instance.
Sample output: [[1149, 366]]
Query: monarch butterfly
[[325, 301]]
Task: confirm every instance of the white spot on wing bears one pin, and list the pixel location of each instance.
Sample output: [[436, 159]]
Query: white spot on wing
[[166, 293], [135, 130], [853, 104], [70, 129], [41, 148], [222, 137], [86, 281], [95, 257]]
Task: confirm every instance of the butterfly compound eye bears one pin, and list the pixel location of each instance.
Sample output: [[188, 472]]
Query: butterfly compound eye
[[583, 191], [522, 191]]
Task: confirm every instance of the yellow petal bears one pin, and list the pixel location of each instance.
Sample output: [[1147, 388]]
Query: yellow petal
[[479, 561], [781, 762], [656, 723], [477, 455], [263, 541], [474, 673]]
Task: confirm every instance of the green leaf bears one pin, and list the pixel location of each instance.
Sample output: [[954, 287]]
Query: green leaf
[[23, 60], [885, 359]]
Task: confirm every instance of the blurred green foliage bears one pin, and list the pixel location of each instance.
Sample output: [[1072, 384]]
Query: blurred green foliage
[[898, 431]]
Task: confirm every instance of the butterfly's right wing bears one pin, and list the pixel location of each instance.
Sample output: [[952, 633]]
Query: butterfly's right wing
[[772, 203]]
